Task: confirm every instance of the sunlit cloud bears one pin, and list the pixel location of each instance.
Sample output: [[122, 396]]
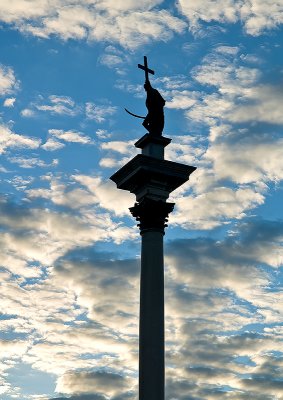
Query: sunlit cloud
[[70, 136], [70, 249], [9, 102], [10, 139], [8, 81]]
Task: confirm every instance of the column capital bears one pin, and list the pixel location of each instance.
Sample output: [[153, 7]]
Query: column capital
[[152, 214]]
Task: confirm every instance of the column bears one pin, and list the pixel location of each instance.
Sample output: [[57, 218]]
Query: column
[[152, 217]]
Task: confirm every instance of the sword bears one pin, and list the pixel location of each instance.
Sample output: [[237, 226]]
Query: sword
[[134, 115]]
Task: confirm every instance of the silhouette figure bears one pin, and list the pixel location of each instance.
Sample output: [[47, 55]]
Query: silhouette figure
[[154, 120]]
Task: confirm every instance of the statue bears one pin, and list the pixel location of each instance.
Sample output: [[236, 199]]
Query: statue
[[154, 120]]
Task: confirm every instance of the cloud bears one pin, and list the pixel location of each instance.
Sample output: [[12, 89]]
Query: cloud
[[244, 159], [9, 139], [210, 209], [91, 396], [62, 105], [217, 290], [111, 60], [9, 102], [260, 104], [8, 81], [106, 194], [32, 162], [99, 382], [133, 25], [240, 98], [103, 134], [27, 112], [267, 376], [70, 136], [34, 235], [119, 147], [181, 100], [86, 191], [99, 113], [101, 276], [129, 24], [242, 153], [21, 183], [89, 340], [242, 250], [114, 149], [73, 310], [257, 16], [65, 105], [51, 145]]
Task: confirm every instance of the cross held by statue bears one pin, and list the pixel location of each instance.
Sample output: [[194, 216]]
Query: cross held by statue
[[146, 69]]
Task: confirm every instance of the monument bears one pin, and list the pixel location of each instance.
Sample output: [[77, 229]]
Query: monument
[[151, 178]]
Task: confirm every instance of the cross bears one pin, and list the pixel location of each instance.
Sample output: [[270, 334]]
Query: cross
[[146, 69]]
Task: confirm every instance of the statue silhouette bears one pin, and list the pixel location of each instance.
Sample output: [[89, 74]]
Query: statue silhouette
[[154, 121]]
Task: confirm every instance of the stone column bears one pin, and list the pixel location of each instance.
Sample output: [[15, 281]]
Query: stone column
[[152, 217], [151, 179]]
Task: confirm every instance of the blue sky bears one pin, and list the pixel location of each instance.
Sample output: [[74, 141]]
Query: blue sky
[[69, 247]]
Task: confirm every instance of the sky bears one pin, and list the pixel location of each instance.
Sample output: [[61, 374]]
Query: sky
[[70, 249]]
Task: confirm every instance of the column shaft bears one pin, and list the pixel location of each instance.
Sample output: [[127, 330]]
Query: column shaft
[[151, 341]]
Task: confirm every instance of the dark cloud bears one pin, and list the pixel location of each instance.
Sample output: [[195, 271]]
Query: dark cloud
[[230, 262], [96, 383], [267, 377], [81, 397], [216, 290]]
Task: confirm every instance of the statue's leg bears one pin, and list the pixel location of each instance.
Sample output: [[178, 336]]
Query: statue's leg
[[146, 123], [157, 125]]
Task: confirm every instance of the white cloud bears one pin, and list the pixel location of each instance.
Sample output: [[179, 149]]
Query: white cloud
[[20, 182], [133, 24], [237, 163], [27, 112], [129, 23], [181, 100], [111, 60], [185, 149], [219, 10], [99, 113], [8, 82], [210, 209], [114, 150], [42, 236], [32, 162], [9, 102], [256, 15], [106, 193], [70, 136], [62, 105], [248, 160], [103, 134], [89, 190], [51, 145], [121, 147], [110, 162], [261, 15], [261, 104], [126, 5], [9, 139]]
